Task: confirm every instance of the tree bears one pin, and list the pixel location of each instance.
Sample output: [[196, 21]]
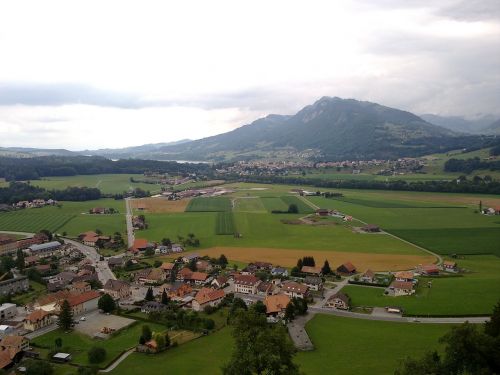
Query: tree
[[192, 265], [260, 348], [35, 367], [308, 261], [166, 242], [259, 307], [164, 297], [96, 354], [149, 252], [160, 340], [149, 295], [58, 342], [299, 264], [326, 270], [20, 260], [480, 206], [222, 261], [289, 312], [146, 333], [106, 303], [98, 231], [492, 327], [293, 209], [48, 233], [65, 316]]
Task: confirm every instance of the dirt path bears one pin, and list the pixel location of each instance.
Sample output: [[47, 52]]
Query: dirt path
[[120, 359]]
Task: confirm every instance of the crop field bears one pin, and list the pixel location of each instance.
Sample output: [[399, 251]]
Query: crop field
[[359, 347], [249, 204], [209, 204], [274, 204], [303, 207], [159, 205], [224, 223], [476, 292], [72, 218], [107, 183]]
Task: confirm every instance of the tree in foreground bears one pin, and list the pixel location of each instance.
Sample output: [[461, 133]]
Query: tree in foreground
[[65, 316], [37, 367], [326, 270], [106, 303], [165, 299], [149, 295], [259, 347], [146, 334], [96, 354]]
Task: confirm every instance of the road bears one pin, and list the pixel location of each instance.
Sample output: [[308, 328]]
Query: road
[[130, 228]]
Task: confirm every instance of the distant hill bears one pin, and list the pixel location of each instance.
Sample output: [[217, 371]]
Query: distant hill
[[135, 151], [25, 152], [460, 124], [493, 128], [331, 128]]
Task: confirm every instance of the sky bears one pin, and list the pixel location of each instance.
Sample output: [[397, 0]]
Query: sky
[[108, 74]]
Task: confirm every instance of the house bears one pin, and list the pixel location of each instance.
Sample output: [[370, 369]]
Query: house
[[279, 271], [316, 271], [450, 266], [81, 236], [198, 278], [314, 283], [31, 260], [140, 244], [154, 276], [203, 266], [80, 287], [220, 282], [400, 288], [36, 320], [17, 343], [81, 303], [179, 290], [189, 257], [184, 274], [176, 248], [115, 262], [346, 269], [117, 289], [44, 249], [339, 301], [323, 212], [404, 276], [265, 288], [246, 284], [294, 289], [261, 266], [8, 311], [429, 270], [207, 297], [153, 307], [167, 268], [60, 281], [276, 304], [368, 277], [371, 228]]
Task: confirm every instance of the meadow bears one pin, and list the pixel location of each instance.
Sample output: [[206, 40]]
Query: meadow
[[349, 346], [107, 183], [224, 223], [71, 217], [209, 204], [474, 293]]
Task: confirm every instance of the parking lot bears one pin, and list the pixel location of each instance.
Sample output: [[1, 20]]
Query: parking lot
[[96, 321]]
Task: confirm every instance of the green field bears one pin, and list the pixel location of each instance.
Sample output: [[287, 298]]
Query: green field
[[274, 204], [209, 204], [350, 346], [249, 204], [78, 344], [303, 207], [474, 293], [224, 223], [346, 346], [72, 218], [107, 183]]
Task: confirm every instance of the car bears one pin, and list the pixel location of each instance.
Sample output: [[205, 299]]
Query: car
[[83, 319]]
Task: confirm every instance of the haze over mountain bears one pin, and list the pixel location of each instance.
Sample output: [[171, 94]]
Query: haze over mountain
[[481, 125]]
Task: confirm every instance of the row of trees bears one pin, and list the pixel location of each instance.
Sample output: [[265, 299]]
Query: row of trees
[[20, 191], [470, 165]]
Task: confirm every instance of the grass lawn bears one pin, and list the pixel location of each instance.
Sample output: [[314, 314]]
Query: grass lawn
[[206, 354], [107, 183], [36, 290], [474, 293], [78, 344], [357, 347], [72, 217]]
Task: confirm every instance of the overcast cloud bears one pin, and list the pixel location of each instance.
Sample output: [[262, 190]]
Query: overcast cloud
[[92, 74]]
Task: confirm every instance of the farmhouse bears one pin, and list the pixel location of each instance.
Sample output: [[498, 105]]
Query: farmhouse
[[323, 212], [314, 283], [429, 270], [80, 287], [404, 276], [220, 282], [266, 288], [179, 290], [117, 289], [203, 266], [184, 274], [294, 289], [279, 271], [450, 266], [115, 262], [400, 288], [189, 257], [371, 228], [246, 284], [368, 277], [150, 276], [140, 244], [339, 301], [207, 297], [346, 269], [276, 304], [316, 271], [36, 320], [167, 267], [81, 303]]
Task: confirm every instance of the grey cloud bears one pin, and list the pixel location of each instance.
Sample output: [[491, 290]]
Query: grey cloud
[[472, 10]]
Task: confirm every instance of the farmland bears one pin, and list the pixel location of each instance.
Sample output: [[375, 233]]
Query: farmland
[[473, 293], [71, 217], [224, 223], [209, 204]]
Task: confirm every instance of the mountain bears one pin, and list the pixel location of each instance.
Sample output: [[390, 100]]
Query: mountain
[[478, 125], [140, 152], [25, 152], [493, 128], [330, 128]]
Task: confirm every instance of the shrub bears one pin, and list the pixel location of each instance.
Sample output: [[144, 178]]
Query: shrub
[[96, 354]]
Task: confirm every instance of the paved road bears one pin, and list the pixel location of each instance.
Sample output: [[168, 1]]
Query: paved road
[[118, 361], [130, 228]]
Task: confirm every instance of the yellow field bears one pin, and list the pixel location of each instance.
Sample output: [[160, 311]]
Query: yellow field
[[159, 205], [288, 258]]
